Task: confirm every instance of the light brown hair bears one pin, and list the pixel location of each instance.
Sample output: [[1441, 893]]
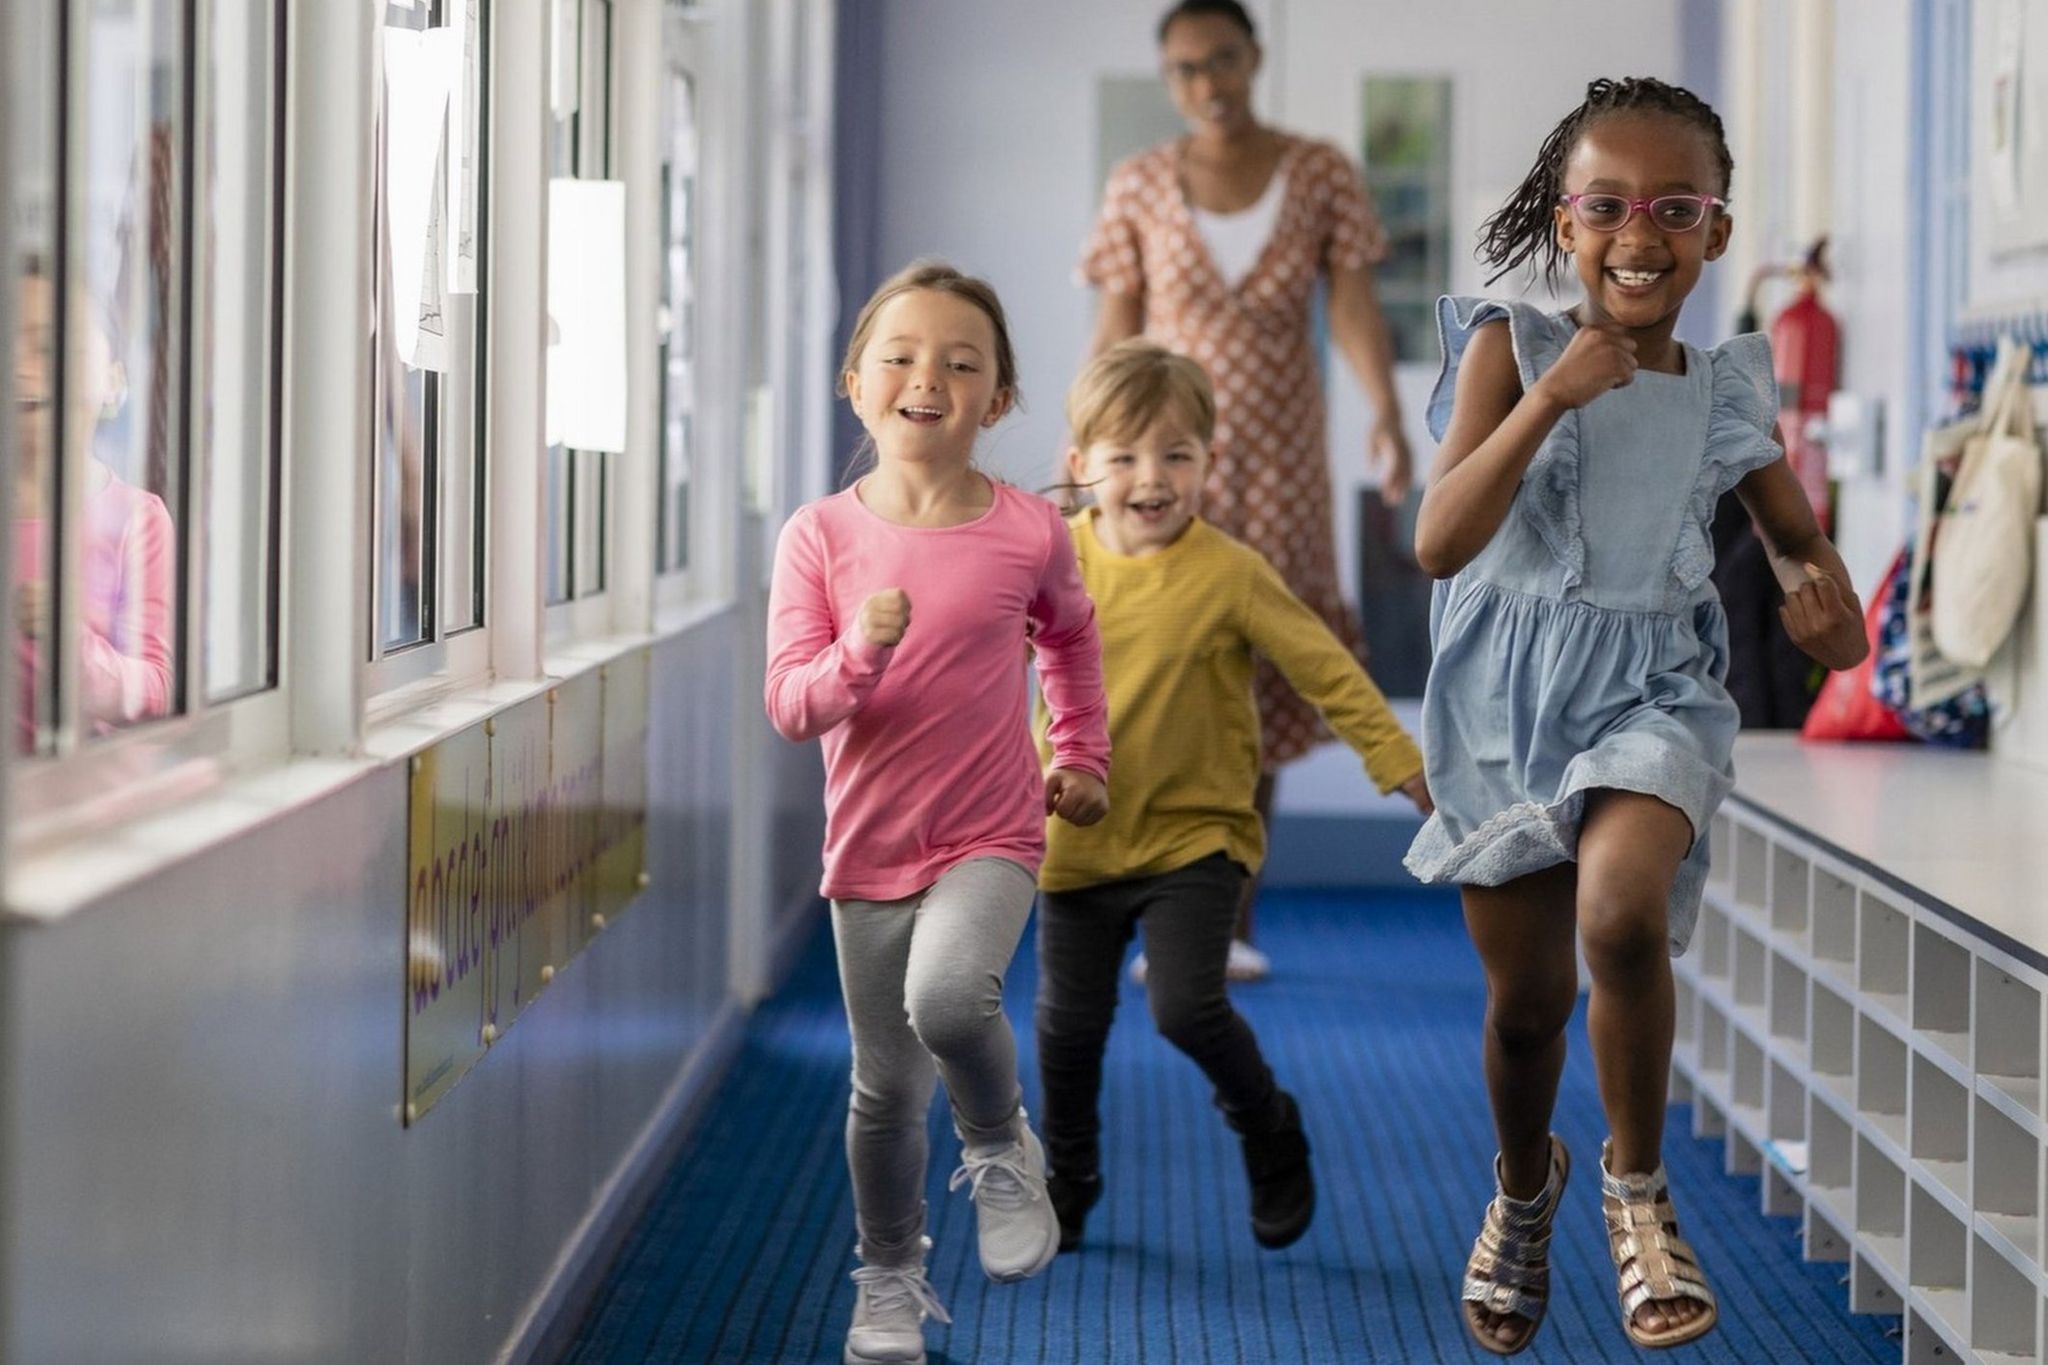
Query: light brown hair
[[1130, 386], [944, 279]]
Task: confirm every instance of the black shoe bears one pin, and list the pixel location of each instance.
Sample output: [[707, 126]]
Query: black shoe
[[1283, 1189], [1072, 1197]]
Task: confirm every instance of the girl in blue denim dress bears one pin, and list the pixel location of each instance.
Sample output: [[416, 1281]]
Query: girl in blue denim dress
[[1575, 727]]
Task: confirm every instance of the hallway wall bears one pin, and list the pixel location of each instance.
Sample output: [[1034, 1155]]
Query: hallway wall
[[204, 1155]]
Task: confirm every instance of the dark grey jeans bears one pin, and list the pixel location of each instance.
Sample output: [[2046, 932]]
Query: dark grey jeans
[[1187, 916]]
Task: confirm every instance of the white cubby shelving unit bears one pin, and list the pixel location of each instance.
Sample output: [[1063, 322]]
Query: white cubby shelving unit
[[1875, 1053]]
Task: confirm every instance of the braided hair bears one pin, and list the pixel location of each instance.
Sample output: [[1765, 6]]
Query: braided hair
[[1521, 229]]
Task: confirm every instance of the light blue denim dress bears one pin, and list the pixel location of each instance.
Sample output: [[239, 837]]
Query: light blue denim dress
[[1585, 647]]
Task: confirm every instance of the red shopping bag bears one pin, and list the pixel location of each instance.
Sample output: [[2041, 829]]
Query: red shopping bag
[[1846, 708]]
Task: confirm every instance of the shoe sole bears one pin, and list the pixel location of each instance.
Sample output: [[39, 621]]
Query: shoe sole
[[1273, 1236], [852, 1357]]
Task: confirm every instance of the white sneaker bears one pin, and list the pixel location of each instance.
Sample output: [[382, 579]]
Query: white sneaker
[[1019, 1230], [889, 1314], [1138, 970], [1247, 963]]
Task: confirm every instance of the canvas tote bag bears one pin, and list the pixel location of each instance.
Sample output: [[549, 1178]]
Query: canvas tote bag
[[1983, 556]]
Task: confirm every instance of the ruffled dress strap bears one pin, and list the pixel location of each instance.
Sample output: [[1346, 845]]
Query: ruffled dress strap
[[1552, 478], [1742, 413]]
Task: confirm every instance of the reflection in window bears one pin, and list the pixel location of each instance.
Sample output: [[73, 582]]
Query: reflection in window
[[678, 325], [29, 104], [120, 406], [1407, 145]]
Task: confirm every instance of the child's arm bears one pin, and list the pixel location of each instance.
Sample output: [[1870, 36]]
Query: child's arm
[[1495, 430], [1284, 629], [1069, 650], [816, 680], [1821, 612]]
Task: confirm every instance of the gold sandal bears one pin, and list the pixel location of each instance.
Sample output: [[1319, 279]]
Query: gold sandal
[[1652, 1263], [1508, 1272]]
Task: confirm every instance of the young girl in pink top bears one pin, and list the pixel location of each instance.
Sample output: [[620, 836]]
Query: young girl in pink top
[[898, 621]]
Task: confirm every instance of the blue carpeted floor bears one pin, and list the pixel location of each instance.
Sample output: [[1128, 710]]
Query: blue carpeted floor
[[1372, 1019]]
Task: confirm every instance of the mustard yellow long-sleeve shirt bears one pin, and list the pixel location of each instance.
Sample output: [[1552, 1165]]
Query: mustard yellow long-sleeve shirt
[[1179, 631]]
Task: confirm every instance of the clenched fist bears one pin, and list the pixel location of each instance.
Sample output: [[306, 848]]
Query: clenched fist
[[1076, 797], [1601, 357], [884, 617], [1824, 619]]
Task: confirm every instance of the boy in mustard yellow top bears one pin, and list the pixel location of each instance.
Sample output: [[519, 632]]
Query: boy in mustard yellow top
[[1182, 608]]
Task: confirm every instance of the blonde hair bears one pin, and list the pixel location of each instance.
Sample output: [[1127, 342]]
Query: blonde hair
[[941, 278], [1130, 386]]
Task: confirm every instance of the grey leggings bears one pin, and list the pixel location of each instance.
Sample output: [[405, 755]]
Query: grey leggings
[[923, 981]]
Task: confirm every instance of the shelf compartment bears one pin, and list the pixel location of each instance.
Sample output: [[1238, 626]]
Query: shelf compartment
[[1883, 946], [1746, 1089], [1719, 843], [1941, 992], [1940, 1130], [1788, 1000], [1752, 866], [1937, 1245], [1833, 1045], [2006, 1168], [1881, 1079], [1834, 919], [1710, 939], [1713, 1042], [1688, 1030], [1790, 873], [2008, 1035], [1880, 1195], [1752, 965], [1823, 1238], [2004, 1305]]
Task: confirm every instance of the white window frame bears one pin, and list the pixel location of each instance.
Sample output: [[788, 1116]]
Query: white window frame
[[600, 156], [88, 781], [409, 676]]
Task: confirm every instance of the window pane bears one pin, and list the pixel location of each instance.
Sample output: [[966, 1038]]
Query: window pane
[[406, 398], [679, 324], [232, 341], [462, 483], [122, 384], [560, 506], [29, 107], [590, 470]]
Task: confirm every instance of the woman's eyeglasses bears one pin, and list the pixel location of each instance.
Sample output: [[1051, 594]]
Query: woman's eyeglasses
[[1667, 212], [1220, 65]]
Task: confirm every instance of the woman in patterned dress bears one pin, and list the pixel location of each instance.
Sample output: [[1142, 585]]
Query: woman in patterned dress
[[1212, 244]]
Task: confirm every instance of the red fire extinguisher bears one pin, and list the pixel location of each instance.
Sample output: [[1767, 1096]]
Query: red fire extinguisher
[[1806, 342]]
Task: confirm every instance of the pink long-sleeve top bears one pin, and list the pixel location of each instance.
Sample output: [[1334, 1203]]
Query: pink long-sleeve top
[[928, 754]]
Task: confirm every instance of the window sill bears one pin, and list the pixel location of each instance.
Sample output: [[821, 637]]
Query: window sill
[[204, 804]]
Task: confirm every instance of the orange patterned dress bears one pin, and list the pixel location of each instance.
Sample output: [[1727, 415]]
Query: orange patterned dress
[[1270, 483]]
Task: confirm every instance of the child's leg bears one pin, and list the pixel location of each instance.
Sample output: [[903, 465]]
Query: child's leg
[[1188, 919], [1262, 803], [1630, 846], [967, 929], [1523, 933], [1081, 940], [893, 1078]]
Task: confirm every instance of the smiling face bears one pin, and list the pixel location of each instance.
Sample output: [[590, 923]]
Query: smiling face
[[1147, 488], [1209, 63], [926, 381], [1639, 275]]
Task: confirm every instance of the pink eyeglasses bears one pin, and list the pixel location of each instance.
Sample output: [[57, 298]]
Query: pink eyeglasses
[[1668, 212]]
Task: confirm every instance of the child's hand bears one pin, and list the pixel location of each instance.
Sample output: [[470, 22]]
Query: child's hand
[[1601, 357], [1076, 797], [884, 617], [1825, 619], [1416, 789]]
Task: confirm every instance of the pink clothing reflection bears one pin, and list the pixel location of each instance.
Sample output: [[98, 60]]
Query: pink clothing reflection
[[125, 622]]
